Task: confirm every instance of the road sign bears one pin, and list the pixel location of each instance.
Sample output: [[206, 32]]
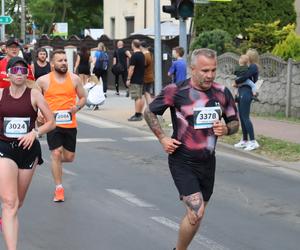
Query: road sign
[[6, 20]]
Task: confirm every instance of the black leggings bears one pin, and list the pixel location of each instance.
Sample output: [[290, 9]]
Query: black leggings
[[103, 75], [244, 105], [124, 78]]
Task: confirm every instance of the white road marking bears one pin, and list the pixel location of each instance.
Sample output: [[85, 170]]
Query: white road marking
[[131, 198], [202, 240], [84, 140], [65, 171], [140, 138], [96, 122], [95, 140]]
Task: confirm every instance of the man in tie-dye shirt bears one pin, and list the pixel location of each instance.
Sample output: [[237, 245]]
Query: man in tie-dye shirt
[[197, 106]]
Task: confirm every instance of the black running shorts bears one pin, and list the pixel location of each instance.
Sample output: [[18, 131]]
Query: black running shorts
[[65, 137], [24, 158], [191, 177]]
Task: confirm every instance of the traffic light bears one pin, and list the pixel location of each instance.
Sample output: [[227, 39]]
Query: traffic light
[[185, 8], [180, 8], [171, 9]]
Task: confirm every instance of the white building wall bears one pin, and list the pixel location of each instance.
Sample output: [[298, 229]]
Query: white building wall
[[120, 9]]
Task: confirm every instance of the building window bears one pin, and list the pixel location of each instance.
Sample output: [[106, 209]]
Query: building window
[[129, 25], [112, 27]]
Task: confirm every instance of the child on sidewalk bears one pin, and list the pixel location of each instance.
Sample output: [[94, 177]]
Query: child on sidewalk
[[240, 70]]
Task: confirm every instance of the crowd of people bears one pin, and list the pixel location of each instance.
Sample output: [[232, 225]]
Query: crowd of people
[[42, 98]]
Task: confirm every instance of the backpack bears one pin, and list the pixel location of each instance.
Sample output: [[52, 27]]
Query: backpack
[[101, 61]]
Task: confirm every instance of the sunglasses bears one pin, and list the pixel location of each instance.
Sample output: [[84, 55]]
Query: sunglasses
[[18, 69]]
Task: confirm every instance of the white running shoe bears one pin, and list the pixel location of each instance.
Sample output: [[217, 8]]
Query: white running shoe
[[241, 144], [251, 145]]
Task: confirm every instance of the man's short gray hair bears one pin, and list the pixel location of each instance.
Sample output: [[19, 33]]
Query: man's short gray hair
[[209, 53]]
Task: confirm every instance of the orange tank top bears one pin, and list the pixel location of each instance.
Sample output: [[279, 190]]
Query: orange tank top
[[61, 97]]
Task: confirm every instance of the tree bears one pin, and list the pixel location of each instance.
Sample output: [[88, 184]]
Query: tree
[[264, 37], [77, 13], [218, 40], [237, 15], [289, 48]]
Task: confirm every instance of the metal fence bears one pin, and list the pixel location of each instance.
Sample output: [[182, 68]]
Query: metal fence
[[281, 89]]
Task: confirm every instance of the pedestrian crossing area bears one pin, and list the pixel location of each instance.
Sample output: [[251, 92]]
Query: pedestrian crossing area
[[124, 139], [94, 121]]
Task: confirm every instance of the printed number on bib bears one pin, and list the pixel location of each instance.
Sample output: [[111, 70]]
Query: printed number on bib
[[63, 117], [15, 127], [204, 117]]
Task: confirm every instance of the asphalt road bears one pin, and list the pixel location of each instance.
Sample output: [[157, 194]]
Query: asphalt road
[[119, 195]]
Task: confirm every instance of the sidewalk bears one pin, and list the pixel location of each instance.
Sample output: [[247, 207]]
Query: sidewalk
[[119, 108]]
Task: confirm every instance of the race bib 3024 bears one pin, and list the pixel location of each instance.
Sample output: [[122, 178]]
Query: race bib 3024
[[15, 127]]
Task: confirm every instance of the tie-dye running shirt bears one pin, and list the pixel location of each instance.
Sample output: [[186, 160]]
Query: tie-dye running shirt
[[188, 105]]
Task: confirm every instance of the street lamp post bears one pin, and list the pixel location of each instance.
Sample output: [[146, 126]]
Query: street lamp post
[[157, 49], [3, 25], [22, 36]]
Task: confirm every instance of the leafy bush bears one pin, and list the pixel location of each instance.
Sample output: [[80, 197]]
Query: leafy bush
[[218, 40], [237, 15], [289, 48], [264, 37]]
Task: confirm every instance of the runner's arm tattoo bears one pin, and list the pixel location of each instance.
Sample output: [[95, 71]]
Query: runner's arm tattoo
[[153, 124], [232, 127]]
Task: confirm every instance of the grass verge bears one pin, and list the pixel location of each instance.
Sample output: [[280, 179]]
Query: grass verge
[[272, 148], [277, 116]]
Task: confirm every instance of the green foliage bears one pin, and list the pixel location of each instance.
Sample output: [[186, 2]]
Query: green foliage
[[237, 15], [264, 37], [77, 13], [218, 40], [289, 48]]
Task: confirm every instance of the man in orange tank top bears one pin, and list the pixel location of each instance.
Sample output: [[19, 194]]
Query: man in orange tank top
[[61, 89]]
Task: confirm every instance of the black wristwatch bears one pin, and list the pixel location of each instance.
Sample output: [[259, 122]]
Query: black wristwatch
[[78, 107]]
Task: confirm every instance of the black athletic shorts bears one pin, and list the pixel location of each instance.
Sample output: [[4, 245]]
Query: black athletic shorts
[[65, 137], [192, 177], [24, 158]]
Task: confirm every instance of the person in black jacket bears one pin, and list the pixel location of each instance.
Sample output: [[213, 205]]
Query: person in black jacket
[[121, 55]]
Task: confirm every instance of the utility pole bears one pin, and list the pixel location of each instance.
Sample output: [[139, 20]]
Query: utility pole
[[3, 25], [157, 49], [22, 36], [183, 36]]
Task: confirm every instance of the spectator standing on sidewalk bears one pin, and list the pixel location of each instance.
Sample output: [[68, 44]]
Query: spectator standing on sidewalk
[[12, 50], [100, 62], [27, 54], [245, 100], [197, 106], [121, 56], [149, 73], [65, 95], [41, 66], [178, 68], [2, 51], [83, 64], [20, 150], [239, 71], [135, 79]]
